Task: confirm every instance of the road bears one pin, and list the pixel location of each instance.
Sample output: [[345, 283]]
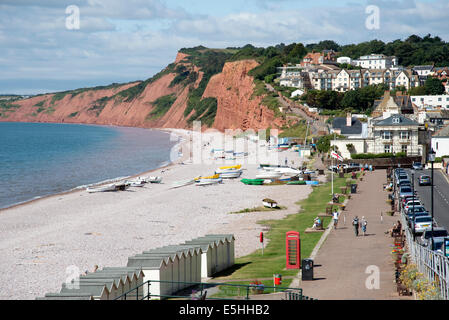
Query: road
[[440, 194]]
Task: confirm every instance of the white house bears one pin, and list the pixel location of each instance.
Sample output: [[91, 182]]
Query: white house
[[342, 60], [376, 61], [437, 101], [440, 142]]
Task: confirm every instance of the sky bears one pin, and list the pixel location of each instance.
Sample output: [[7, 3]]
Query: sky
[[43, 50]]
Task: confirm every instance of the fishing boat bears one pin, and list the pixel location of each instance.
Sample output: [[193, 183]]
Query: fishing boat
[[269, 203], [107, 188], [230, 174], [215, 176], [182, 183], [300, 182], [264, 174], [206, 182], [254, 182], [137, 183], [122, 186], [154, 179], [312, 183], [236, 167], [284, 170]]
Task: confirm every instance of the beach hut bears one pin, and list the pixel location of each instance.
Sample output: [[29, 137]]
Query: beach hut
[[136, 277], [192, 266], [99, 291], [175, 267], [122, 282], [228, 250], [217, 253], [195, 266], [158, 270], [183, 268], [66, 296], [208, 256]]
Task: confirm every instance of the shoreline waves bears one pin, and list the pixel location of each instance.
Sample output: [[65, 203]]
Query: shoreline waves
[[42, 239]]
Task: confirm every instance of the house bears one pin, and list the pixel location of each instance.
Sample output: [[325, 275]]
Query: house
[[342, 60], [399, 103], [317, 58], [376, 61], [423, 70], [440, 142], [350, 127], [431, 102], [395, 134]]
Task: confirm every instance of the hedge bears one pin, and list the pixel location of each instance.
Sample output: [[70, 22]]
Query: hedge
[[380, 155]]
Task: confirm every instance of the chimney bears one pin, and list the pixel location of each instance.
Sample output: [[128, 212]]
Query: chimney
[[348, 119]]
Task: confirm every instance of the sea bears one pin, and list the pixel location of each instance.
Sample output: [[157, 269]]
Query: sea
[[42, 159]]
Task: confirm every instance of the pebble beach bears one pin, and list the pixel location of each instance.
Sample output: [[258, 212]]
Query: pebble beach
[[43, 241]]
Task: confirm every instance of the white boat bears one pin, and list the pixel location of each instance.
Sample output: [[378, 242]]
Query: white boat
[[137, 183], [107, 188], [264, 174], [154, 179], [230, 174], [284, 170], [269, 203], [182, 183], [206, 182]]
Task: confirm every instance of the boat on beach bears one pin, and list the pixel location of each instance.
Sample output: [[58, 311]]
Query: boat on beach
[[254, 182], [264, 174], [215, 176], [269, 203], [182, 183], [110, 187], [230, 174], [206, 182]]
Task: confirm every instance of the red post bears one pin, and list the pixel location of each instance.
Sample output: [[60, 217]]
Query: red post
[[293, 250]]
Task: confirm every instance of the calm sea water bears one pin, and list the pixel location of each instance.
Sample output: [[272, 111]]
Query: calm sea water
[[38, 159]]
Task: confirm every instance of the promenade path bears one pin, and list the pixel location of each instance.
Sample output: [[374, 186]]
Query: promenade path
[[342, 261]]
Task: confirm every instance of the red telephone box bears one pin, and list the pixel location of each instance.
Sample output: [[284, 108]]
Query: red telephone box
[[293, 250]]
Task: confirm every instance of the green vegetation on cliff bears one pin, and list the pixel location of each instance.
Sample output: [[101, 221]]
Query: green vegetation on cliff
[[161, 106]]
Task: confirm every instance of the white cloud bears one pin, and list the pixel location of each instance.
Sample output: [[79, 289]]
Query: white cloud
[[134, 39]]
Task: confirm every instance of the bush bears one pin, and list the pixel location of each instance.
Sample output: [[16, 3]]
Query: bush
[[379, 155], [161, 106]]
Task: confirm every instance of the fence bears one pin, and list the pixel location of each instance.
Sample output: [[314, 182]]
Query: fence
[[213, 291], [435, 266]]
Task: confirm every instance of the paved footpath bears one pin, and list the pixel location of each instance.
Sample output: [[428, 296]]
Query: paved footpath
[[342, 261]]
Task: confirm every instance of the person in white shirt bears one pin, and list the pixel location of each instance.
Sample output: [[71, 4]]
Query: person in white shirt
[[336, 215]]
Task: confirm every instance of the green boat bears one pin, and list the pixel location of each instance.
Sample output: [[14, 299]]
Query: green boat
[[297, 183], [255, 182]]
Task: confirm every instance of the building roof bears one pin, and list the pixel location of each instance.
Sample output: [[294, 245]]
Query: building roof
[[426, 67], [355, 128], [402, 121], [443, 132]]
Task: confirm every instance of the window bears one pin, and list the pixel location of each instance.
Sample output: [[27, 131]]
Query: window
[[405, 135], [404, 149], [396, 120], [386, 135], [387, 148]]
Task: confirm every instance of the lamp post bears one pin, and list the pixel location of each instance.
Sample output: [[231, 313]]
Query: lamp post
[[432, 160], [413, 204]]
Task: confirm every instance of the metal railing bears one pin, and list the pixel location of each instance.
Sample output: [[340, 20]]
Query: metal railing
[[222, 291], [434, 265]]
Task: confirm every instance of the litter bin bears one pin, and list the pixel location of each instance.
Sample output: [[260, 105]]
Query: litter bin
[[307, 269], [353, 188]]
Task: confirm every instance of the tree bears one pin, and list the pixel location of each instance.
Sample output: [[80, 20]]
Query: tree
[[417, 91], [434, 86]]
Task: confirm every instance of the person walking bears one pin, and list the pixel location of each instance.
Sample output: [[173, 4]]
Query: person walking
[[355, 223], [364, 224], [336, 215]]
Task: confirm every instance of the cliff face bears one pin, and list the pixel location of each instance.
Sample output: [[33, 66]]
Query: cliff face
[[238, 108], [160, 102]]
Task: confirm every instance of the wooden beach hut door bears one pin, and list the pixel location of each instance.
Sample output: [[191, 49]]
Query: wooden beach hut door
[[293, 250]]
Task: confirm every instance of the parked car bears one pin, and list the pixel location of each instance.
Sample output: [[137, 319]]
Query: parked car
[[439, 233], [409, 198], [417, 165], [424, 180], [417, 215], [355, 166], [411, 204], [405, 191], [418, 210], [423, 223], [402, 179]]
